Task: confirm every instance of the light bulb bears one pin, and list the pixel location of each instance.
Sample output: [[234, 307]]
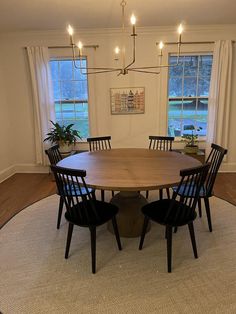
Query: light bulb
[[80, 45], [133, 19], [180, 29], [117, 50], [161, 45], [70, 30]]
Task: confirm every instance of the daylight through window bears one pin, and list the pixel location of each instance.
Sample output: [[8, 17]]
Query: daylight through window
[[70, 88], [189, 84]]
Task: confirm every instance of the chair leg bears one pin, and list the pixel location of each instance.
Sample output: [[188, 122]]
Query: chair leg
[[61, 202], [116, 231], [192, 235], [145, 224], [175, 229], [208, 212], [199, 207], [147, 194], [93, 195], [68, 241], [169, 247], [93, 248], [161, 194], [102, 195], [168, 193]]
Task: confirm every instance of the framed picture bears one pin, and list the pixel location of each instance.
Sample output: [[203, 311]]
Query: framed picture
[[127, 100]]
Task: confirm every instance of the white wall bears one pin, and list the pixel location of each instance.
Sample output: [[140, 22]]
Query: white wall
[[126, 130], [5, 131]]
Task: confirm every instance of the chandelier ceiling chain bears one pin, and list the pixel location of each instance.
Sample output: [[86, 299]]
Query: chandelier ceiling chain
[[125, 68]]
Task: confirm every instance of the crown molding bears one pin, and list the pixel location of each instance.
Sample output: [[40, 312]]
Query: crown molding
[[110, 31]]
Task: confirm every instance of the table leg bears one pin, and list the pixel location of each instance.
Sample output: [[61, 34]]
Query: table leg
[[130, 218]]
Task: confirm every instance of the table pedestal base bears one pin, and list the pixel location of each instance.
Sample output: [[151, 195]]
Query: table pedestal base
[[130, 218]]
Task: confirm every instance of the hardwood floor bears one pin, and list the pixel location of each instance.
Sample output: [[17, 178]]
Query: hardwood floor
[[21, 190]]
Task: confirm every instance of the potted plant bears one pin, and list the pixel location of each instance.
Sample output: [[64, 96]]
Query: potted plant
[[63, 135], [191, 139]]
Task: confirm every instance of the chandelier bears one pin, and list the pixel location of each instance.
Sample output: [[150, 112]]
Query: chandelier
[[125, 68]]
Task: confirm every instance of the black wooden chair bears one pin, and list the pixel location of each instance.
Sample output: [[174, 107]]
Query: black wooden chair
[[161, 143], [54, 157], [173, 212], [88, 212], [100, 143], [215, 159]]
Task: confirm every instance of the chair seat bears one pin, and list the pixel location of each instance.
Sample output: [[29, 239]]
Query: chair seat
[[79, 215], [181, 191], [157, 211]]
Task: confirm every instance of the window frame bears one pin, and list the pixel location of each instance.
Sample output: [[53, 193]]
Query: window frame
[[186, 54], [61, 57]]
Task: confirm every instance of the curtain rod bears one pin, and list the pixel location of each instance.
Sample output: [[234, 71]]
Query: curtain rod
[[63, 47], [84, 46], [191, 42]]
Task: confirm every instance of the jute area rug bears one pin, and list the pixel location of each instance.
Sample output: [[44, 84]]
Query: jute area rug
[[35, 277]]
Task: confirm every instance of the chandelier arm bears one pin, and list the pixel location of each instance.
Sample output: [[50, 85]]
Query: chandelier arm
[[141, 71], [134, 52], [156, 67], [105, 71]]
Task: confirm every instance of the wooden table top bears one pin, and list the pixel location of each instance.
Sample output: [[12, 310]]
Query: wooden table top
[[130, 169]]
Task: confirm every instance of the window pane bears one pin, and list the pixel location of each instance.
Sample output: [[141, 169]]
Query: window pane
[[54, 70], [190, 65], [66, 70], [175, 117], [190, 85], [56, 90], [176, 70], [202, 114], [175, 87], [67, 90], [189, 115], [81, 90], [80, 74], [205, 65], [203, 86]]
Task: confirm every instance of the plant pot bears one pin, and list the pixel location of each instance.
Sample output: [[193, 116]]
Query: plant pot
[[191, 149], [65, 148]]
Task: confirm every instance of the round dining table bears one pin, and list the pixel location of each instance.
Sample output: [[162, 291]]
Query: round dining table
[[129, 171]]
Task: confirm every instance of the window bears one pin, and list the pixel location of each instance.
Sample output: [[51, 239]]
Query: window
[[70, 88], [189, 84]]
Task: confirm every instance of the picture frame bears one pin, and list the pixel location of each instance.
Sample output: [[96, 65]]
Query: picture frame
[[127, 100]]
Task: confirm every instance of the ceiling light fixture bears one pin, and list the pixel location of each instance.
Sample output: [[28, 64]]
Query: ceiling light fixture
[[125, 68]]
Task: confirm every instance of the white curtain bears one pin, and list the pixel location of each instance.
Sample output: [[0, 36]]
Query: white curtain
[[42, 97], [219, 95]]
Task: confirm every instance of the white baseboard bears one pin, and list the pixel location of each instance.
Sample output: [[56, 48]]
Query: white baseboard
[[228, 167], [31, 168], [6, 173], [22, 168]]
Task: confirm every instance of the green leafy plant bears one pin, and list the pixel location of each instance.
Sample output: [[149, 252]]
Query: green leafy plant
[[191, 139], [63, 134]]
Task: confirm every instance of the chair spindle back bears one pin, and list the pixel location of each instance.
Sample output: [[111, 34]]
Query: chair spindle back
[[99, 143], [161, 142], [190, 185]]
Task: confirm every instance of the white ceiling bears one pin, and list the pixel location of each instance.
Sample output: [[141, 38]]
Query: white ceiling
[[43, 15]]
